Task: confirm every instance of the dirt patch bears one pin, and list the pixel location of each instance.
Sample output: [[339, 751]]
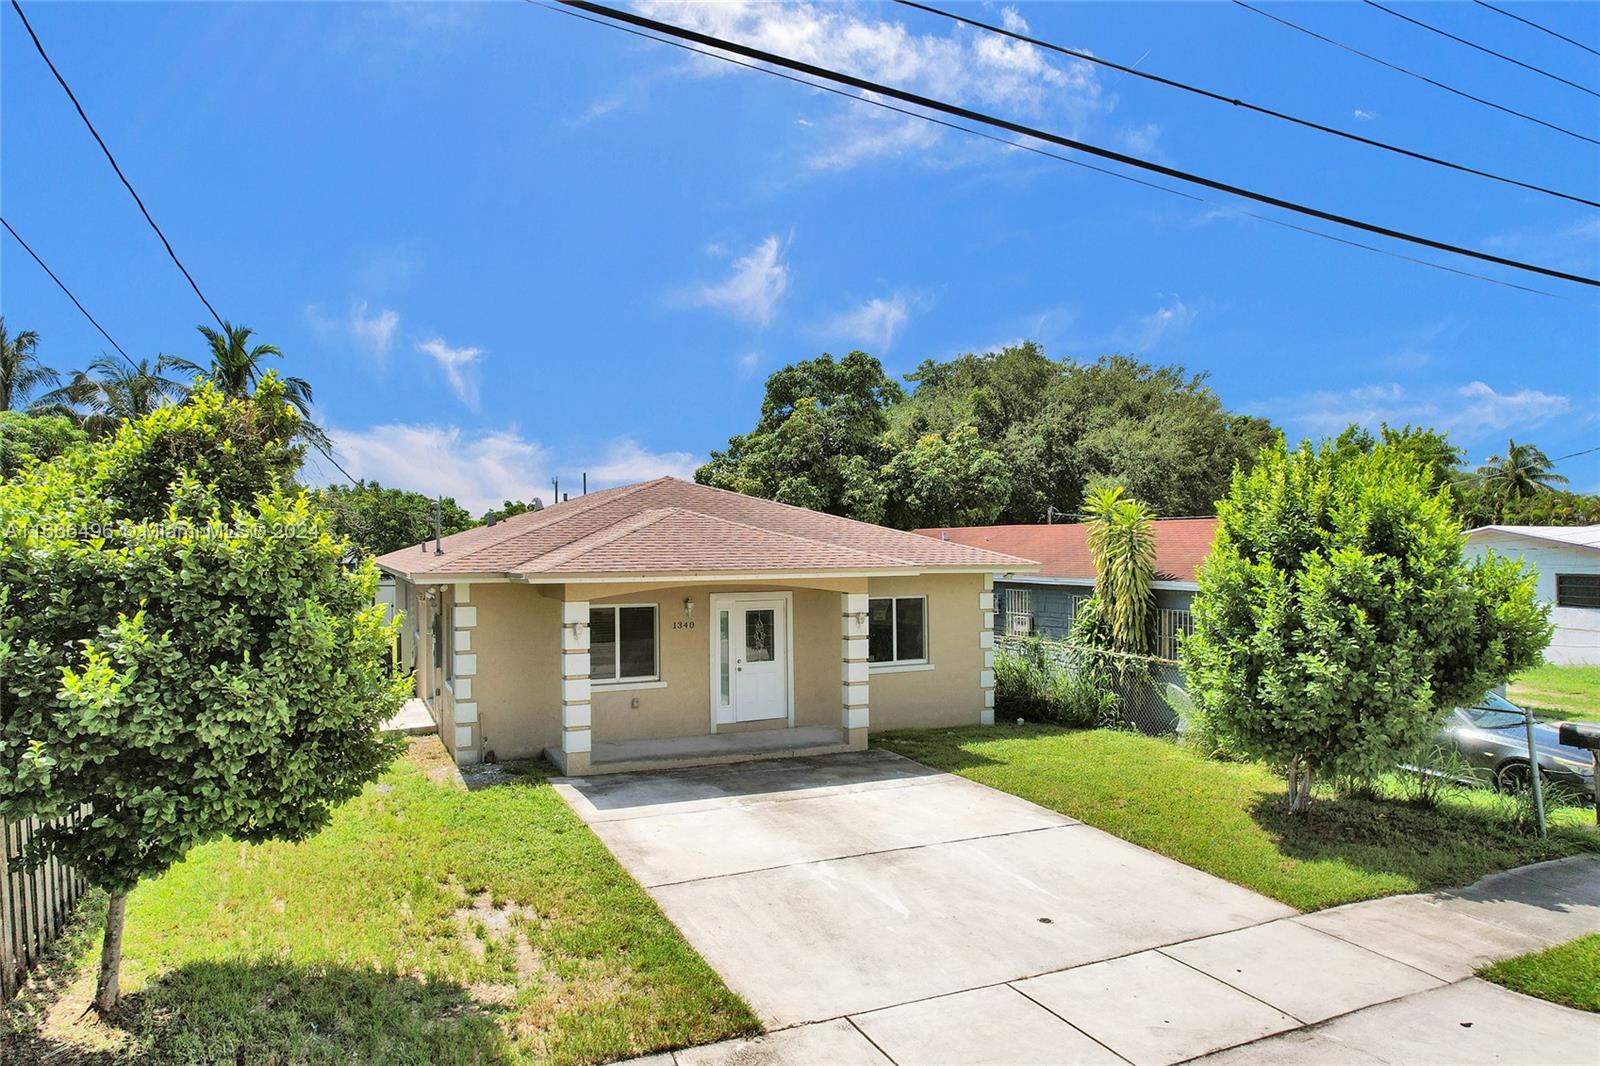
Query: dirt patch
[[430, 754], [483, 922]]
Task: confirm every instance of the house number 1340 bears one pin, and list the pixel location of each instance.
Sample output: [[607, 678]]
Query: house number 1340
[[683, 625]]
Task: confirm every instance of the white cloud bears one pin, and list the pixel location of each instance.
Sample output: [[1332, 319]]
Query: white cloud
[[974, 68], [484, 468], [872, 325], [597, 110], [749, 363], [459, 366], [1150, 329], [1364, 115], [480, 469], [625, 462], [374, 332], [1467, 412], [752, 290]]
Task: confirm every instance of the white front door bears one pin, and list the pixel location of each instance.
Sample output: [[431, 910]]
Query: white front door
[[751, 649]]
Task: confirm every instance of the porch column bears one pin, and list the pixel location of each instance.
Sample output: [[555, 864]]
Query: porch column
[[854, 655], [575, 720], [986, 642]]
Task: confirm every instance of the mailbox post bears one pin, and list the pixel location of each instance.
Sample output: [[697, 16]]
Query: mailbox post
[[1586, 736]]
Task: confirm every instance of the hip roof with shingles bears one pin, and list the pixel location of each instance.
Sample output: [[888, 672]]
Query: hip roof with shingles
[[670, 526]]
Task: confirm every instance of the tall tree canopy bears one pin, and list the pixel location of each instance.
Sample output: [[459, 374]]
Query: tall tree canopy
[[377, 520], [21, 372], [986, 438], [183, 647]]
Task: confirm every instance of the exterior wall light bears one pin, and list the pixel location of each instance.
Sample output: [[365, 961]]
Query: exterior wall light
[[688, 606]]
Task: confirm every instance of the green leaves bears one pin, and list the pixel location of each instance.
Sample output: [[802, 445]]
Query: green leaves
[[183, 646], [1336, 620]]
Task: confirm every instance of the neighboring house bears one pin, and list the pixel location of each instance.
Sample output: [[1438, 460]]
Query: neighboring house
[[669, 623], [1568, 561], [1047, 603]]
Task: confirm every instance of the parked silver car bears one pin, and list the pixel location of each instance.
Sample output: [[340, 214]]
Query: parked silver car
[[1491, 737]]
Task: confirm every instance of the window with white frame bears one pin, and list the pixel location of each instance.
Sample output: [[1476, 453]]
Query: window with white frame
[[1019, 612], [622, 644], [897, 630], [1171, 627]]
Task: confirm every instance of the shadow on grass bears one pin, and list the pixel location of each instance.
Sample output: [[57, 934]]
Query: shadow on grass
[[1439, 846], [279, 1012]]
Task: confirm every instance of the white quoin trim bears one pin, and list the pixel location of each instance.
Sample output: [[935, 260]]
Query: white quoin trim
[[855, 692], [466, 615], [576, 713]]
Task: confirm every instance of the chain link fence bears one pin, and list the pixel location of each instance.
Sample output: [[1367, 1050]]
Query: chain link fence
[[1137, 683]]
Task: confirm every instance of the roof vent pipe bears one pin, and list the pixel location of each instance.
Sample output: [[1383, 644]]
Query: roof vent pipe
[[945, 535], [438, 531]]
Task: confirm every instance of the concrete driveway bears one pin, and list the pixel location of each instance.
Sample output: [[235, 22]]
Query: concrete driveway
[[877, 911]]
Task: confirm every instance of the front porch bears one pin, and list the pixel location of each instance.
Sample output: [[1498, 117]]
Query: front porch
[[710, 750]]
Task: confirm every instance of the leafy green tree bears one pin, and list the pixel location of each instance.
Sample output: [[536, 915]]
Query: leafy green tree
[[1122, 543], [1061, 426], [21, 373], [950, 480], [819, 442], [1336, 621], [1552, 508], [184, 653], [110, 392], [26, 438], [512, 508], [376, 520]]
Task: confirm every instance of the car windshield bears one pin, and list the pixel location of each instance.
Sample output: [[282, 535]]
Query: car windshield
[[1493, 712]]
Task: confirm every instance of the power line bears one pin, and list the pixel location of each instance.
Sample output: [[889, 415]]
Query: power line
[[1020, 146], [327, 453], [1471, 44], [1535, 25], [63, 287], [1413, 74], [1209, 94], [1066, 142], [114, 166]]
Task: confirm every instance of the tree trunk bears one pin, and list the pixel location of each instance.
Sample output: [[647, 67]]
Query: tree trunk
[[107, 990], [1294, 785], [1305, 788]]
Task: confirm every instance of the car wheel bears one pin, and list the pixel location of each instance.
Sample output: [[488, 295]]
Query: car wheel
[[1513, 777]]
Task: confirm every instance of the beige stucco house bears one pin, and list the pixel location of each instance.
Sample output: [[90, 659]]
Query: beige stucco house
[[668, 623]]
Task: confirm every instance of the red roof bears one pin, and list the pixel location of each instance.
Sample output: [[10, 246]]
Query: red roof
[[1063, 549], [669, 526]]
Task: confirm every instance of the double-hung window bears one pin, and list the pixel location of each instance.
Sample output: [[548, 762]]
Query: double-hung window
[[622, 644], [897, 630]]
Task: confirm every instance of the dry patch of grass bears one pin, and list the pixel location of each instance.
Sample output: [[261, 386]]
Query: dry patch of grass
[[428, 923]]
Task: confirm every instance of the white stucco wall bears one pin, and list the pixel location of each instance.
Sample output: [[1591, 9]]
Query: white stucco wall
[[1577, 636]]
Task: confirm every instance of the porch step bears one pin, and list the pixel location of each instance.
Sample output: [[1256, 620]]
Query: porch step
[[711, 750], [414, 720]]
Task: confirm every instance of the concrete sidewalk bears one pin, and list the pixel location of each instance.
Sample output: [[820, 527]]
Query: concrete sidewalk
[[875, 911]]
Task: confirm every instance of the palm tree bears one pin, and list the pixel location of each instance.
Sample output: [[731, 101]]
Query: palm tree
[[20, 369], [1122, 543], [110, 392], [1524, 471], [235, 366]]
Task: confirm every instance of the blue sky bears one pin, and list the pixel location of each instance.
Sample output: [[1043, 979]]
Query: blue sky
[[505, 245]]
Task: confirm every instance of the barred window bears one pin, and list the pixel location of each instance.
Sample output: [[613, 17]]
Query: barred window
[[1578, 590]]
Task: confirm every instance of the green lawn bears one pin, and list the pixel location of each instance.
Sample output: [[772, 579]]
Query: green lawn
[[427, 924], [1571, 692], [1568, 973], [1229, 818]]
